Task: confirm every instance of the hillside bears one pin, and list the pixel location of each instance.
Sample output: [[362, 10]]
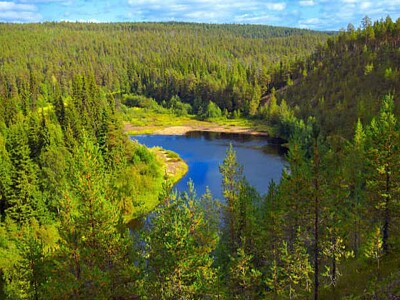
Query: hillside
[[346, 78], [227, 64]]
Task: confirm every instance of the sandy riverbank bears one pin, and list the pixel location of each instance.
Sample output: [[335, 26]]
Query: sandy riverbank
[[181, 130]]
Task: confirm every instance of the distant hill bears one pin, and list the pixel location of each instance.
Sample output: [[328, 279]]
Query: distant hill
[[227, 64], [346, 78]]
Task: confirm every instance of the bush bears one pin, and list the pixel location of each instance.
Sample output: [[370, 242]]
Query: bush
[[213, 111], [139, 101]]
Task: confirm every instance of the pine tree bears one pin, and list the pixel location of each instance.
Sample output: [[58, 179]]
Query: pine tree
[[383, 167], [355, 173], [93, 257], [25, 264], [232, 177], [244, 277], [290, 274], [5, 179], [178, 246]]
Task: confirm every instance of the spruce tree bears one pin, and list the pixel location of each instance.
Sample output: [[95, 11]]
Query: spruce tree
[[24, 201]]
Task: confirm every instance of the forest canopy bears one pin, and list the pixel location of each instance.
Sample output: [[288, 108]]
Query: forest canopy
[[71, 180]]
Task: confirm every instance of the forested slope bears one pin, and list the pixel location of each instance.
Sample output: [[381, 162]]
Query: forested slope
[[230, 65], [345, 78]]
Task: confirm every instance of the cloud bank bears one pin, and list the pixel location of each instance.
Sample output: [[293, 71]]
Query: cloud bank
[[312, 14]]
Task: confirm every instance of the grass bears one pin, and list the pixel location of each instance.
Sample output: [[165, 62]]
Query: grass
[[145, 121], [144, 117], [256, 125], [149, 180], [172, 156], [173, 165], [361, 278]]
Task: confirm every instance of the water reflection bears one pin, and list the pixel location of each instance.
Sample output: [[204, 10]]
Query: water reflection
[[204, 151]]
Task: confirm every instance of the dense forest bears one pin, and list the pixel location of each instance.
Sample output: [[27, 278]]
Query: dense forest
[[230, 65], [345, 79], [71, 181]]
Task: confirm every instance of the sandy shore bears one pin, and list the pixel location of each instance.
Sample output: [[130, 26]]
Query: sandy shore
[[182, 130]]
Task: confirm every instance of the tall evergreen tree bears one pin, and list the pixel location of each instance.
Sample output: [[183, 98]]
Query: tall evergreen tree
[[232, 177], [355, 173], [383, 167], [178, 252], [24, 201], [93, 260]]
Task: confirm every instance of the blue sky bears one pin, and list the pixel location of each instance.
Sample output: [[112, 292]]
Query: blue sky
[[312, 14]]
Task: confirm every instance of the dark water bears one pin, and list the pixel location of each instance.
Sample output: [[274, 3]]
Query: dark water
[[204, 152]]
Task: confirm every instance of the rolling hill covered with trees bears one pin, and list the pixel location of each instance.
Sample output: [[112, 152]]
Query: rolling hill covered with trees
[[70, 180], [345, 79]]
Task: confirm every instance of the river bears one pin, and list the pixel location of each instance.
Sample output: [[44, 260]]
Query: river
[[204, 152]]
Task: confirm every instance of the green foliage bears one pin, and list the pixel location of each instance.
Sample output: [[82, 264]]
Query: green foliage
[[374, 247], [25, 251], [232, 177], [212, 111], [383, 165], [139, 101], [178, 248], [23, 202], [93, 252], [245, 278], [352, 71], [70, 179], [291, 276], [159, 61]]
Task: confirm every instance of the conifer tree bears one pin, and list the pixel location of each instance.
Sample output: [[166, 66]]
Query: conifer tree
[[177, 253], [23, 201], [93, 258], [5, 179], [290, 274], [244, 277], [355, 173], [232, 177], [383, 167]]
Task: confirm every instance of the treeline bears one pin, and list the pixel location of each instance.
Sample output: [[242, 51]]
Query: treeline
[[230, 65], [342, 80]]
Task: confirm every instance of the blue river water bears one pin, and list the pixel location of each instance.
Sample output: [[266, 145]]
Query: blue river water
[[204, 152]]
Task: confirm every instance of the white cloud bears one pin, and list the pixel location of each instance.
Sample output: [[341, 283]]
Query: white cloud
[[310, 23], [307, 3], [18, 17], [256, 19], [320, 14], [215, 11], [278, 6], [366, 5], [40, 1], [17, 12], [11, 6]]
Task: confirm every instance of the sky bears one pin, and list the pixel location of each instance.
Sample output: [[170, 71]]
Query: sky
[[310, 14]]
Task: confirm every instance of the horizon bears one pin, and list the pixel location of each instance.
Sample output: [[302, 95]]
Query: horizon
[[320, 15]]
